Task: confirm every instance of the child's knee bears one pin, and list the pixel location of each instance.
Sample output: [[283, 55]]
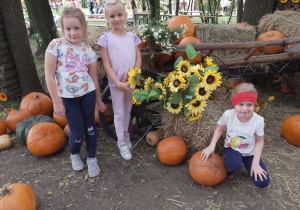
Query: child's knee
[[232, 164], [262, 184]]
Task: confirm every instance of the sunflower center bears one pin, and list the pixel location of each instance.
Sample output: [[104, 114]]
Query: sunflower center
[[175, 106], [176, 83], [197, 104], [184, 68], [202, 92], [210, 79]]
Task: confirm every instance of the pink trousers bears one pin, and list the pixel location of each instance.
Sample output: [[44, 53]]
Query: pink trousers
[[122, 104]]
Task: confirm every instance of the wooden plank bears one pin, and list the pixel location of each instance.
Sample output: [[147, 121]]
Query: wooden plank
[[3, 44], [15, 92], [6, 58], [10, 82], [8, 75], [11, 88], [5, 66], [4, 51]]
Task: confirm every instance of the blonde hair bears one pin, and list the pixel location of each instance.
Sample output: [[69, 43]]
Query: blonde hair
[[73, 12], [111, 3], [244, 87]]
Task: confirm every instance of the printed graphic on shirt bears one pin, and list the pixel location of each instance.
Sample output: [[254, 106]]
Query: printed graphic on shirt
[[236, 142]]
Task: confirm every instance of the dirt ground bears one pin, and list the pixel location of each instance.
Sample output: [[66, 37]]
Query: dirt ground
[[145, 183]]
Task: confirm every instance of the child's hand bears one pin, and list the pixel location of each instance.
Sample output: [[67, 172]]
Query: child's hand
[[101, 106], [257, 171], [207, 152], [59, 109], [123, 86]]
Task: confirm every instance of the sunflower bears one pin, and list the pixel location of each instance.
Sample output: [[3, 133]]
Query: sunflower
[[283, 1], [211, 79], [147, 83], [163, 91], [177, 82], [192, 117], [196, 106], [200, 92], [184, 68], [174, 108], [209, 61], [167, 79], [3, 97], [195, 71], [134, 99], [134, 76], [295, 1]]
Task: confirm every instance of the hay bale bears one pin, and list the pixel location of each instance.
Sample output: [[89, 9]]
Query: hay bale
[[285, 22], [211, 33]]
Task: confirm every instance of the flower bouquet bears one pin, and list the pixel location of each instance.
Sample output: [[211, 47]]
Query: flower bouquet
[[185, 89], [159, 37]]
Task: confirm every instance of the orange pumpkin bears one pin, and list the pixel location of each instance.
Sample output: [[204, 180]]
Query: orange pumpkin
[[271, 35], [234, 82], [167, 57], [17, 196], [286, 90], [172, 150], [3, 127], [45, 138], [62, 121], [15, 117], [241, 24], [290, 130], [189, 40], [143, 45], [96, 116], [177, 21], [207, 173], [37, 103], [67, 131], [109, 111]]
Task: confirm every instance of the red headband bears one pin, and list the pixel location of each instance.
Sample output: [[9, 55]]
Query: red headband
[[243, 96]]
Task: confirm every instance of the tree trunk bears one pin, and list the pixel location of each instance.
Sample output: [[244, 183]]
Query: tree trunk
[[43, 22], [170, 6], [255, 9], [240, 8], [177, 7], [154, 9], [16, 33]]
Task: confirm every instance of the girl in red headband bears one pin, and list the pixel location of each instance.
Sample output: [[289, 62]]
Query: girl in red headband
[[244, 136]]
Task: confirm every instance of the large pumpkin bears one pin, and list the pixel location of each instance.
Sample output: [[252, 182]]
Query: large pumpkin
[[290, 130], [45, 138], [271, 35], [189, 40], [3, 127], [17, 196], [177, 21], [24, 126], [208, 172], [37, 103], [15, 117], [172, 150]]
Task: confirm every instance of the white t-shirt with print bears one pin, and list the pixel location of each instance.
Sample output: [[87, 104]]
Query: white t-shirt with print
[[71, 76], [241, 136]]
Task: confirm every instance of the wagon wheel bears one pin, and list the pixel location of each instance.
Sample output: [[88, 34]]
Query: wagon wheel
[[141, 116]]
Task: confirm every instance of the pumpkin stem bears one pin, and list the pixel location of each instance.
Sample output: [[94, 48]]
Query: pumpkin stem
[[35, 96], [5, 190]]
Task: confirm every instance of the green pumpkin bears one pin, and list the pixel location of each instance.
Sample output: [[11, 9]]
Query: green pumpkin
[[24, 126]]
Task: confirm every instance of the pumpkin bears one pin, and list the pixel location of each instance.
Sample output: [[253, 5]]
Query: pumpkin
[[143, 45], [189, 40], [177, 21], [290, 130], [45, 138], [234, 82], [17, 196], [37, 103], [3, 127], [24, 126], [286, 90], [241, 24], [109, 111], [5, 142], [208, 172], [67, 131], [153, 137], [61, 121], [172, 150], [271, 35], [15, 117], [167, 57]]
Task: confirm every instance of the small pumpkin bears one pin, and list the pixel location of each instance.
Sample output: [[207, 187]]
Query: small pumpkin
[[153, 137], [234, 82], [271, 35], [17, 196], [177, 21], [143, 45], [241, 24], [286, 90], [109, 112], [24, 126], [172, 150], [67, 131], [15, 117], [189, 40], [209, 172], [37, 103], [61, 121], [290, 130], [166, 58], [5, 142], [45, 138], [3, 127]]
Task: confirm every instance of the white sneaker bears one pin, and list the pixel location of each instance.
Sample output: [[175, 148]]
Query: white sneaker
[[124, 151], [93, 167], [77, 163], [127, 140]]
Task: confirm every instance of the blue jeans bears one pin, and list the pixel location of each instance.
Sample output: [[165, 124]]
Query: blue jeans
[[234, 161], [80, 114]]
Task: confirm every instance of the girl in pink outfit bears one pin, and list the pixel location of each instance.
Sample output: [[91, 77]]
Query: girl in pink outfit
[[120, 52]]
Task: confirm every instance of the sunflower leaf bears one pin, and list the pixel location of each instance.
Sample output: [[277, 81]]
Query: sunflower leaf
[[186, 111], [141, 95], [176, 98], [193, 82], [177, 61], [153, 94], [216, 68], [190, 51], [189, 97]]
